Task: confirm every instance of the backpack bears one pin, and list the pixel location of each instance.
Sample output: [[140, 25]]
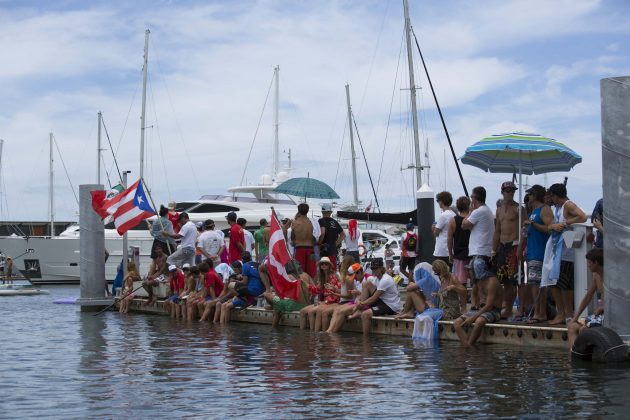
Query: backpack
[[410, 242]]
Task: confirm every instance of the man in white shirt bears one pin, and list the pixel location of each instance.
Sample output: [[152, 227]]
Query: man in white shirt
[[211, 243], [440, 228], [480, 222], [384, 296], [249, 237], [188, 235]]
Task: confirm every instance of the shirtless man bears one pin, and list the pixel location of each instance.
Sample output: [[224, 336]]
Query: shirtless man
[[492, 294], [504, 246], [595, 264], [157, 268]]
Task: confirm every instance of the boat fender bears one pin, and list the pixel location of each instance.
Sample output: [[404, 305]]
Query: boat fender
[[600, 344]]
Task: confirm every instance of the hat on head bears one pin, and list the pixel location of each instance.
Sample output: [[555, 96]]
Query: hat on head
[[325, 260], [231, 216], [172, 267], [508, 185], [410, 226], [376, 263], [353, 270], [326, 207], [172, 205], [186, 265], [208, 223], [199, 225]]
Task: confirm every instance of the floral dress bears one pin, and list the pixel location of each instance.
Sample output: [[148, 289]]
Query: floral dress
[[448, 301]]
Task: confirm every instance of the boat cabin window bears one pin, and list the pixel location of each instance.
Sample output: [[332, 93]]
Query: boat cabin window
[[213, 208]]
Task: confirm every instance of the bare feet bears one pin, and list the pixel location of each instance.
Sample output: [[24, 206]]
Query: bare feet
[[557, 321], [404, 315]]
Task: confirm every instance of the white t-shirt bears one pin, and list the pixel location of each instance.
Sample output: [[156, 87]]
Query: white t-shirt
[[291, 249], [350, 244], [480, 242], [211, 241], [390, 296], [189, 235], [441, 241], [224, 270], [249, 241]]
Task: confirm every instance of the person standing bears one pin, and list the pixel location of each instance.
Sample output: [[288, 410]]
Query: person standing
[[210, 242], [504, 246], [168, 245], [173, 216], [457, 242], [409, 241], [249, 237], [331, 235], [261, 237], [353, 240], [188, 235], [480, 223], [440, 228], [597, 219], [558, 264], [237, 239], [537, 224], [302, 240]]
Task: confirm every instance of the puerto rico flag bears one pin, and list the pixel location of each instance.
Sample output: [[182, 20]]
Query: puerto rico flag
[[127, 209], [278, 257]]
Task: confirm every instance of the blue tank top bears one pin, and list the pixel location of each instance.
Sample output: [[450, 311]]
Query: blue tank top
[[536, 240]]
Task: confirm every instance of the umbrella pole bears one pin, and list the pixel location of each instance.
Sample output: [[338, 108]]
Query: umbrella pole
[[520, 212]]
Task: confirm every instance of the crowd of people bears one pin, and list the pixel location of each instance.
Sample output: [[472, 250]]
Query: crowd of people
[[515, 251]]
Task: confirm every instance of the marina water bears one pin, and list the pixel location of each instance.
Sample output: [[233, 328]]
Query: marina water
[[61, 363]]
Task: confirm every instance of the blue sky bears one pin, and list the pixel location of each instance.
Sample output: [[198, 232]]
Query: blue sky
[[496, 65]]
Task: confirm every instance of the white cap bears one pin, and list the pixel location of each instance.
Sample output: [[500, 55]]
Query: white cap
[[186, 265], [172, 267]]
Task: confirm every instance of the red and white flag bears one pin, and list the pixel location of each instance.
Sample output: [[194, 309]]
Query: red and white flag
[[369, 207], [278, 258], [127, 209]]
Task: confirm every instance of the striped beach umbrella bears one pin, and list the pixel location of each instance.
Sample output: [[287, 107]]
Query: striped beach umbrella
[[523, 153]]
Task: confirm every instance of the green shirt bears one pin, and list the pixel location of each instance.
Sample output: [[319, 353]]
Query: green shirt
[[259, 237]]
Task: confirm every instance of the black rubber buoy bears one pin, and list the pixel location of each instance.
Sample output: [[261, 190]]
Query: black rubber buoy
[[600, 344]]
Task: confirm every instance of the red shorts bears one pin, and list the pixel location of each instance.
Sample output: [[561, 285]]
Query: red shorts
[[306, 258]]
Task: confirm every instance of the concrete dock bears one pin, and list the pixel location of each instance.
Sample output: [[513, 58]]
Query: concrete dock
[[502, 333]]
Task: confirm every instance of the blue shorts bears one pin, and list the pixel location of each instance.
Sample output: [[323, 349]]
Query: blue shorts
[[208, 298], [174, 299], [481, 268], [240, 303]]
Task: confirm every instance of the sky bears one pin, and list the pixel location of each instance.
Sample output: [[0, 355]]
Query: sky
[[496, 66]]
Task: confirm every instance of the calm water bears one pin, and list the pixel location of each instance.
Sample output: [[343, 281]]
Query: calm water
[[59, 362]]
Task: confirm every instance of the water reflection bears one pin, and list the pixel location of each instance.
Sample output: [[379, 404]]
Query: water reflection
[[69, 364]]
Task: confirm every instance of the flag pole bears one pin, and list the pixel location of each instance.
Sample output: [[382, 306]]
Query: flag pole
[[273, 214], [168, 243]]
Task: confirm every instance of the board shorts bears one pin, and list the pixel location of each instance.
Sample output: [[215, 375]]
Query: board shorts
[[379, 308], [565, 281], [286, 305], [174, 299], [162, 245], [594, 321], [241, 302], [460, 269], [480, 265], [407, 264], [507, 264], [534, 272], [492, 316]]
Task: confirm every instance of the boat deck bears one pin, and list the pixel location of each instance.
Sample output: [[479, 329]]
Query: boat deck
[[539, 335]]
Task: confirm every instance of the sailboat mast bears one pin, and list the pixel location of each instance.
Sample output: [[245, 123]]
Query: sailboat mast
[[144, 99], [276, 141], [412, 86], [50, 188], [98, 150], [355, 193]]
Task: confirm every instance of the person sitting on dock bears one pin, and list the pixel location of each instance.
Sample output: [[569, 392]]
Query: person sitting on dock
[[425, 284], [384, 298], [157, 268], [326, 296], [212, 289], [595, 264], [176, 287], [452, 293], [250, 286], [351, 289], [196, 295], [284, 305], [492, 294], [188, 234]]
